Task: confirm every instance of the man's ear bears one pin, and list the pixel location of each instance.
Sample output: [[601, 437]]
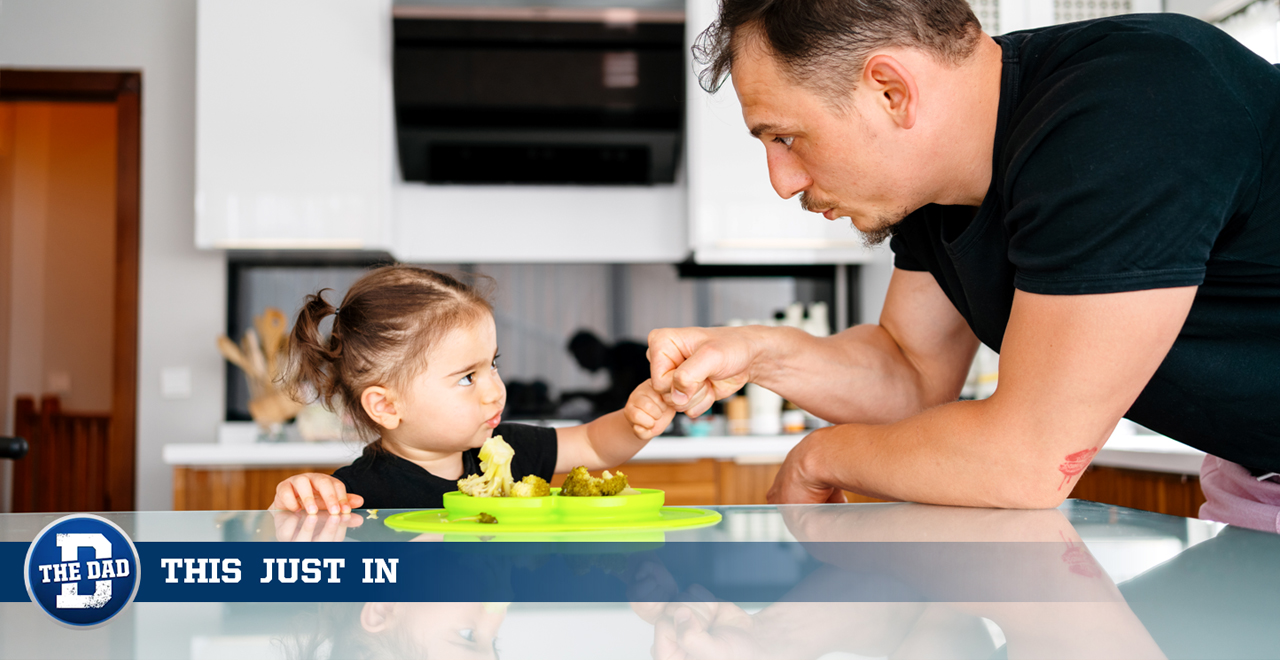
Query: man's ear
[[895, 86], [380, 405]]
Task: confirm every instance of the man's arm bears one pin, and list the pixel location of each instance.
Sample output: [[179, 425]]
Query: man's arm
[[1071, 366], [915, 358]]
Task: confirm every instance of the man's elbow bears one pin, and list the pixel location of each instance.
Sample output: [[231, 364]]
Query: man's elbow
[[1033, 497]]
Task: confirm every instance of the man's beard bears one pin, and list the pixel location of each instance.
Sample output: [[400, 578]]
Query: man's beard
[[883, 230]]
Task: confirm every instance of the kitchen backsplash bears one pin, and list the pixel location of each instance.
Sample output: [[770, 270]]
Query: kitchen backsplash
[[537, 308]]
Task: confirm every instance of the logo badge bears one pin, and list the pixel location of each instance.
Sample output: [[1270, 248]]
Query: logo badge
[[82, 570]]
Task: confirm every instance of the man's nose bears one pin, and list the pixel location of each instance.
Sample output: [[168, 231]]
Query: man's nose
[[787, 176]]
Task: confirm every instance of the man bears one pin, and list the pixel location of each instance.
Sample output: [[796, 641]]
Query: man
[[1100, 202]]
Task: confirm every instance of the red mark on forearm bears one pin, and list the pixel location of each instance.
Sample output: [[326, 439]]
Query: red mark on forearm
[[1076, 463], [1078, 559]]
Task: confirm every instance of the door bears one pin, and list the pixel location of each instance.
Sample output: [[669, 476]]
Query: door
[[69, 216]]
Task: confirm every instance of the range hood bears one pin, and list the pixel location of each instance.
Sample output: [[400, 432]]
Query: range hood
[[574, 96]]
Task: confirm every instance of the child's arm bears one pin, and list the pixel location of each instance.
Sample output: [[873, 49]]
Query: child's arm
[[300, 491], [612, 439]]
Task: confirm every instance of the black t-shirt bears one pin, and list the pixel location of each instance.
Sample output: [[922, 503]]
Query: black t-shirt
[[387, 481], [1132, 153]]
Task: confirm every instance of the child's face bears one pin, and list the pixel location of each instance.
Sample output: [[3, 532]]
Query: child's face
[[439, 630], [457, 401]]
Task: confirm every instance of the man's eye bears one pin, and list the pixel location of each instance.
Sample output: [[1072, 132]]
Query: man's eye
[[784, 140], [467, 379]]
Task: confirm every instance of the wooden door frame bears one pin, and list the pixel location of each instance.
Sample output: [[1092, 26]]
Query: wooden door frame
[[124, 90]]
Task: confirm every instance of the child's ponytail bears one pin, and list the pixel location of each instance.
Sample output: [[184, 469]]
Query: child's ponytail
[[311, 374]]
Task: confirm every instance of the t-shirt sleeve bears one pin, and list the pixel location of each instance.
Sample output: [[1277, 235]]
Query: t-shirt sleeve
[[535, 447], [1123, 167], [902, 257]]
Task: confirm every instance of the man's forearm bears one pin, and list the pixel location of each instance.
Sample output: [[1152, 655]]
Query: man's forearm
[[967, 453], [860, 375]]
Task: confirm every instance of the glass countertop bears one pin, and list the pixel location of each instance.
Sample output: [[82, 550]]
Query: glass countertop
[[839, 581]]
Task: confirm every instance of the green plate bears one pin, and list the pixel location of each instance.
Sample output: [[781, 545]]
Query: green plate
[[644, 504], [462, 505], [437, 521]]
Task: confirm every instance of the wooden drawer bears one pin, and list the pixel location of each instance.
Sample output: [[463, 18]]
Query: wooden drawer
[[230, 489]]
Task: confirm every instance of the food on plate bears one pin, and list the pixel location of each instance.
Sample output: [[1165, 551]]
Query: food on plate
[[580, 483], [495, 462], [531, 486], [481, 517]]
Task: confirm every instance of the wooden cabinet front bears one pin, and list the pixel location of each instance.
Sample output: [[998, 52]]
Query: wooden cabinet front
[[703, 482]]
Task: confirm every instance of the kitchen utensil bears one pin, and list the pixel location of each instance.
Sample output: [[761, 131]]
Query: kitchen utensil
[[271, 327]]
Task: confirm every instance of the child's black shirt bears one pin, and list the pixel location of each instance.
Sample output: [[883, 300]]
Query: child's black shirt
[[387, 481]]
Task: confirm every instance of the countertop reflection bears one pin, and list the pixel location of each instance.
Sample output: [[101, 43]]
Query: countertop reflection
[[842, 581]]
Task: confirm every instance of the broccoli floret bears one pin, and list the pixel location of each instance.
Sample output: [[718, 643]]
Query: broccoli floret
[[580, 483], [531, 486], [481, 517], [495, 461], [612, 484]]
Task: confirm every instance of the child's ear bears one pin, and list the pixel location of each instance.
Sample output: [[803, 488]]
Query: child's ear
[[380, 405], [376, 617]]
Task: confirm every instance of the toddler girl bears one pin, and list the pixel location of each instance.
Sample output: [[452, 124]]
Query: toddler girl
[[412, 361]]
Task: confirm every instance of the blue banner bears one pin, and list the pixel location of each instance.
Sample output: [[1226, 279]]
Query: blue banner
[[597, 571]]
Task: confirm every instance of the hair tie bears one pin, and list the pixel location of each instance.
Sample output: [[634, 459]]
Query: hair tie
[[336, 310]]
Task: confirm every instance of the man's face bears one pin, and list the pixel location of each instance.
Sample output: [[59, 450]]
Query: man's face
[[841, 163]]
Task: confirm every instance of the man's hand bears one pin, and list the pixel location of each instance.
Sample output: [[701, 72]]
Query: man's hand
[[695, 367], [299, 493], [648, 413], [702, 626], [800, 481]]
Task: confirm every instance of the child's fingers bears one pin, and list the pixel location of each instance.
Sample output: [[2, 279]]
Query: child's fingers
[[354, 501], [329, 493], [285, 497], [306, 495]]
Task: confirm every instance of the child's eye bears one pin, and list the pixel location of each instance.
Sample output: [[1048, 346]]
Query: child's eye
[[467, 634], [784, 140], [467, 379], [494, 364]]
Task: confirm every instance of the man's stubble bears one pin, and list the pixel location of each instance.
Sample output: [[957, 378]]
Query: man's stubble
[[882, 231]]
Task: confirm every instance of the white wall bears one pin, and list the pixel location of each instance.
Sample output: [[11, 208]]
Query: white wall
[[182, 295]]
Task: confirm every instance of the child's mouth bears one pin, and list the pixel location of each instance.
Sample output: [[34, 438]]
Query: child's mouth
[[493, 422]]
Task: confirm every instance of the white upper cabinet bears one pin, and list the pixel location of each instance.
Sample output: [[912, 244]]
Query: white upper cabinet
[[294, 135], [734, 214]]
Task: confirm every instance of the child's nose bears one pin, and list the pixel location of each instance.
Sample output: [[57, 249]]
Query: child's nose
[[495, 390]]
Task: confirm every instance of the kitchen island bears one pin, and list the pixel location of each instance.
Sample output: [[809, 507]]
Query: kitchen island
[[1138, 470], [813, 581]]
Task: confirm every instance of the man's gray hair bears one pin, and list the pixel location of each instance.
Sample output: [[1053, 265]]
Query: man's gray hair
[[824, 44]]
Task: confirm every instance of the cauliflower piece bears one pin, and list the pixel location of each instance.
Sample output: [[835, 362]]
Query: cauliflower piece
[[531, 486], [495, 462]]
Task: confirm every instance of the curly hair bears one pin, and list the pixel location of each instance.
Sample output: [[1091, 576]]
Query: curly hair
[[824, 44]]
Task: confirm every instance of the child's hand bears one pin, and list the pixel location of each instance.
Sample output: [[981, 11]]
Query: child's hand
[[299, 492], [647, 412]]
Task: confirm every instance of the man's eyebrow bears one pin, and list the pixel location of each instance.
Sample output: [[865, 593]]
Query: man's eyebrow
[[759, 129]]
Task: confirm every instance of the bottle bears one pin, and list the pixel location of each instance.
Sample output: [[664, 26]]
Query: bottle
[[766, 410], [738, 413], [818, 323], [793, 418]]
